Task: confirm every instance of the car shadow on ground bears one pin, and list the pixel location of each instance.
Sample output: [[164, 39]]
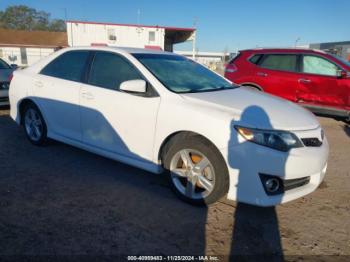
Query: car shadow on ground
[[58, 199]]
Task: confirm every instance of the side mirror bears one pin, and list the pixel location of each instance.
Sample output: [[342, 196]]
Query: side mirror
[[14, 66], [343, 74], [134, 86]]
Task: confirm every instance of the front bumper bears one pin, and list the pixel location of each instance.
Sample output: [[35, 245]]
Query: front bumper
[[246, 160]]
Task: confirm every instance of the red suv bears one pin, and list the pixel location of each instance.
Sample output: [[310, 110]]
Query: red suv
[[312, 78]]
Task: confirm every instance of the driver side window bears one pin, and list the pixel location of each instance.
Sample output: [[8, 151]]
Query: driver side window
[[109, 70]]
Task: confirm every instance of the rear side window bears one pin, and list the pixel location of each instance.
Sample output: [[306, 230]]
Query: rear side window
[[280, 62], [318, 65], [110, 70], [255, 58], [68, 66]]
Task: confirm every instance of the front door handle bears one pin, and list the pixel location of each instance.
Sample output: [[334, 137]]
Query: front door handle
[[304, 80], [38, 84], [261, 74], [87, 95]]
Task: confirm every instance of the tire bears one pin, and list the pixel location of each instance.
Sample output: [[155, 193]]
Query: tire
[[208, 173], [34, 125]]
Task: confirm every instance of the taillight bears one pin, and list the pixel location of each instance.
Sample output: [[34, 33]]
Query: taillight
[[10, 77], [230, 68]]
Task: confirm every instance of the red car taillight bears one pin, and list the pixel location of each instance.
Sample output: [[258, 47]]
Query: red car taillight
[[230, 68]]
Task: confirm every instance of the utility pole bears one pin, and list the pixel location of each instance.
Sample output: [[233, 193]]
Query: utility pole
[[194, 38]]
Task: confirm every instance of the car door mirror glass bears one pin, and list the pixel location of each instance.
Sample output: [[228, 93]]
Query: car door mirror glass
[[134, 86], [14, 66]]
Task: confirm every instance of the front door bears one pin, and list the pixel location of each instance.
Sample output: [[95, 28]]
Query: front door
[[319, 84], [116, 121]]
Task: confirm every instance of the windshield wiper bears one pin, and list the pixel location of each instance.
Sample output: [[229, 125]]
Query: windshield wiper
[[226, 87], [210, 90]]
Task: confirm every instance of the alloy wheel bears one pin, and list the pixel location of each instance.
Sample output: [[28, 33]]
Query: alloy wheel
[[192, 174]]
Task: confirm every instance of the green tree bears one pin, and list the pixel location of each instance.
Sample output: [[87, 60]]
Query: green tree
[[21, 17], [57, 25]]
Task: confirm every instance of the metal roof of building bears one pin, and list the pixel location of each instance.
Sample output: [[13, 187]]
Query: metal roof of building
[[133, 25]]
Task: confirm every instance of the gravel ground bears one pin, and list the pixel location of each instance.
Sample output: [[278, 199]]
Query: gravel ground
[[59, 200]]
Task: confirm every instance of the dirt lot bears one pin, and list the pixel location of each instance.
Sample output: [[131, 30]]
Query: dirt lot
[[59, 200]]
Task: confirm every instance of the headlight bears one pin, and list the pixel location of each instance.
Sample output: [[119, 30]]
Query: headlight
[[279, 140]]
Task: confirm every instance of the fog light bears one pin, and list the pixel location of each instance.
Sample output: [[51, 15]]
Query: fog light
[[272, 185]]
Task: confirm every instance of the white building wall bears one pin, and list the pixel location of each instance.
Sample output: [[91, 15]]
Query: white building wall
[[12, 55], [205, 58], [84, 34]]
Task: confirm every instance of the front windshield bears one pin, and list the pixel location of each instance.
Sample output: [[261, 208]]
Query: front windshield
[[341, 59], [182, 75]]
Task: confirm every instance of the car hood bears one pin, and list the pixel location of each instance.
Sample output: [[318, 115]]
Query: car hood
[[256, 109]]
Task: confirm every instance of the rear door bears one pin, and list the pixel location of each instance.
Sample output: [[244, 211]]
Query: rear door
[[57, 90], [278, 74], [319, 84], [5, 72]]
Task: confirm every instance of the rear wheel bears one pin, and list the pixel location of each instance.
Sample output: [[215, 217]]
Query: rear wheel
[[34, 125], [197, 172]]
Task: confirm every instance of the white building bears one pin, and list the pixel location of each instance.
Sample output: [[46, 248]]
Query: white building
[[206, 58], [26, 47], [81, 33]]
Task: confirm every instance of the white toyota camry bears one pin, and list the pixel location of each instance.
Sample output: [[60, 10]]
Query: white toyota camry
[[167, 114]]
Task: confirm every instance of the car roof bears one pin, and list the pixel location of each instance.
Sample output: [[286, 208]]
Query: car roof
[[128, 50], [284, 50]]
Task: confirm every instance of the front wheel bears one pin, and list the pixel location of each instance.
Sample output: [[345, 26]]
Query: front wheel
[[34, 125], [196, 169]]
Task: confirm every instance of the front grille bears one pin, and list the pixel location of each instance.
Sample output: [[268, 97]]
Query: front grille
[[289, 184], [4, 85], [311, 142]]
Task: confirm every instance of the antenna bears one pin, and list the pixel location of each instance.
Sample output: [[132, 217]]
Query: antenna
[[65, 13], [195, 20]]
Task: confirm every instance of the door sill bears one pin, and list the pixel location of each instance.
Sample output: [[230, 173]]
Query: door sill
[[327, 111]]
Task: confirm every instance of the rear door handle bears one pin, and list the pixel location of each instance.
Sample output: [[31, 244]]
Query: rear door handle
[[87, 95], [261, 74], [304, 80]]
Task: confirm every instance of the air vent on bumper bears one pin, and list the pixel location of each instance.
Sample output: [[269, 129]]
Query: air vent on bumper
[[312, 142]]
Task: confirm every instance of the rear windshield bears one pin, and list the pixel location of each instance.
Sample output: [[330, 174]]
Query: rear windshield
[[234, 57], [4, 65]]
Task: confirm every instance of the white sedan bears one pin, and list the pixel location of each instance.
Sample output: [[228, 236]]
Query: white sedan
[[167, 114]]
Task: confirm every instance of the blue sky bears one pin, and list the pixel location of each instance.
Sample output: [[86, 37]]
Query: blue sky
[[231, 24]]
